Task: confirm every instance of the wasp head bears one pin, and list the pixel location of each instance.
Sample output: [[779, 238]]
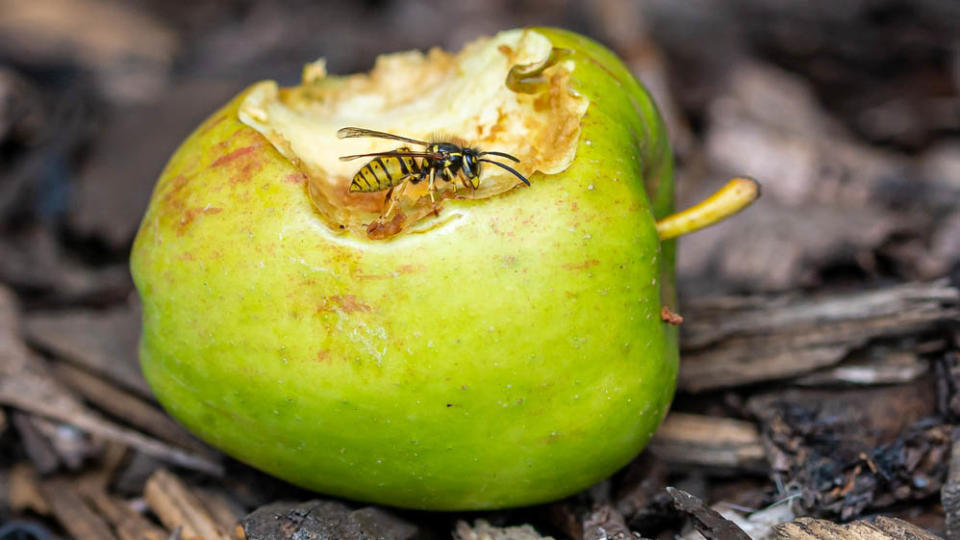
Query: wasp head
[[470, 166]]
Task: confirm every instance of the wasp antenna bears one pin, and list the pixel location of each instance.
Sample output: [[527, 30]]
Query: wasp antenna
[[501, 154], [501, 165]]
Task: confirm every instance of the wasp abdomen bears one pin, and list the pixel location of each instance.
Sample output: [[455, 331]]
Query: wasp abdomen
[[384, 172]]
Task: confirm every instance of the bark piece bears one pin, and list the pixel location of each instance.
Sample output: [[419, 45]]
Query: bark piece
[[711, 524], [176, 506], [324, 520], [689, 439], [873, 366], [605, 523], [884, 528], [482, 530], [737, 341]]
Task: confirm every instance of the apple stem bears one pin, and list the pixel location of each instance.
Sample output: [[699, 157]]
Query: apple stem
[[736, 195]]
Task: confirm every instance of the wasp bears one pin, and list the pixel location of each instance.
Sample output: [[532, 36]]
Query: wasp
[[395, 169]]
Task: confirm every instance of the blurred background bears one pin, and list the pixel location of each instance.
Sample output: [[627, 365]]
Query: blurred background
[[848, 113]]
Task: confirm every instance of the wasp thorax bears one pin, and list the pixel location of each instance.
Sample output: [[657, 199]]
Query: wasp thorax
[[399, 175]]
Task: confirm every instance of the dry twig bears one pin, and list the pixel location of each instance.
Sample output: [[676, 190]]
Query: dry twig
[[690, 439], [177, 506]]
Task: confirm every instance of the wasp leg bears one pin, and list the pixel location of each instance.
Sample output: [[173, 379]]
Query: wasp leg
[[393, 196], [449, 177], [465, 181], [432, 187]]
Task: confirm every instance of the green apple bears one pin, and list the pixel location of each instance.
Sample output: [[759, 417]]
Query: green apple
[[504, 346]]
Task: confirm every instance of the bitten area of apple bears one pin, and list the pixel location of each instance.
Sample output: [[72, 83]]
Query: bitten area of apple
[[508, 93]]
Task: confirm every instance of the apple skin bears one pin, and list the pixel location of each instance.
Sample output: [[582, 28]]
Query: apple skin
[[513, 356]]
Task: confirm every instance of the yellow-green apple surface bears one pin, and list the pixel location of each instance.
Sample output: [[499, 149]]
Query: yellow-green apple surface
[[503, 346]]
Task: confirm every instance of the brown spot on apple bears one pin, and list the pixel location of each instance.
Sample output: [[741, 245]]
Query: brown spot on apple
[[188, 216], [232, 156], [173, 198], [582, 265], [346, 303], [410, 268], [295, 178]]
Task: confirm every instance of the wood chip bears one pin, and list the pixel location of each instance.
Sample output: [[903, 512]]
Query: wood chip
[[71, 511], [176, 506], [873, 366], [129, 524], [884, 528], [737, 341], [690, 439], [24, 490], [709, 522]]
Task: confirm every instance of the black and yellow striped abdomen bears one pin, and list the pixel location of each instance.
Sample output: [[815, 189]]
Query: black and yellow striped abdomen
[[384, 172]]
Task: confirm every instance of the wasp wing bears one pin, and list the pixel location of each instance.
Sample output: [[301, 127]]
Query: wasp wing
[[395, 153], [348, 132]]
